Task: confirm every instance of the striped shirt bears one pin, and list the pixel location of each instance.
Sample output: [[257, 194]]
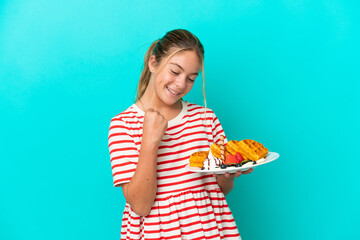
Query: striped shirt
[[188, 205]]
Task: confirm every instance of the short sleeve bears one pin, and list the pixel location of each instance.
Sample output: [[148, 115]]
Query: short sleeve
[[217, 130], [124, 154]]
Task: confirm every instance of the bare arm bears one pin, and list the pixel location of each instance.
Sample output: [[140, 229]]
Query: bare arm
[[140, 192]]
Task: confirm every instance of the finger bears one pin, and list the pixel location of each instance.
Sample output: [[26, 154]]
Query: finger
[[238, 173], [248, 171], [159, 114], [227, 174]]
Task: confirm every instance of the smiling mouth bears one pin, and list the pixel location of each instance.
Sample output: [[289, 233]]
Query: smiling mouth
[[172, 91]]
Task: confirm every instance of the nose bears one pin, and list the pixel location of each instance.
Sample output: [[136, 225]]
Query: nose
[[180, 82]]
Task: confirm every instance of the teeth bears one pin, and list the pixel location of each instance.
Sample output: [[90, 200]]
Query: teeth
[[172, 91]]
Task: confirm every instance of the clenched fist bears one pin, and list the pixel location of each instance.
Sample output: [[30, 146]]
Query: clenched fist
[[154, 126]]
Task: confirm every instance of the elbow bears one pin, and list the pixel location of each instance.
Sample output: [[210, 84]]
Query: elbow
[[140, 204], [143, 213], [142, 210]]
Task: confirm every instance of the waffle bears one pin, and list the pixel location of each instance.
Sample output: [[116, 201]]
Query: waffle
[[249, 149], [197, 159], [216, 151]]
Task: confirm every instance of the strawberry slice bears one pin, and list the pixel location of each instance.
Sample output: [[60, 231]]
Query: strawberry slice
[[231, 159], [239, 157]]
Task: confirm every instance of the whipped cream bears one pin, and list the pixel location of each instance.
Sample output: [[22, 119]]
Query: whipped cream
[[261, 160], [211, 162]]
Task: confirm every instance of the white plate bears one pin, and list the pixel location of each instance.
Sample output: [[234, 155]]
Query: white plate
[[271, 156]]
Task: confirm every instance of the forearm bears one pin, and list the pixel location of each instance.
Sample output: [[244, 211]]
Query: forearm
[[226, 184], [140, 192]]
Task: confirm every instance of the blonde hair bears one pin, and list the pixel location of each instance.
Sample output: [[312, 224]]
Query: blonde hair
[[173, 42]]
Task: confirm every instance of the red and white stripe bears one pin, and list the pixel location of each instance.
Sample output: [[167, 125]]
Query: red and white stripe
[[188, 205]]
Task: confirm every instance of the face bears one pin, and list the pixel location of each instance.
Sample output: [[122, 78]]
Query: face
[[174, 80]]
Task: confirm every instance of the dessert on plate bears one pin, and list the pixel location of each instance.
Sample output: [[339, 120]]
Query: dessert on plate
[[197, 158], [244, 153]]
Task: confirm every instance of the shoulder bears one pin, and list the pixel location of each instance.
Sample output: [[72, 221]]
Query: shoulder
[[195, 109], [129, 115]]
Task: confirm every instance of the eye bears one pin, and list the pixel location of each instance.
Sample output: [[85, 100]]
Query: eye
[[175, 73], [191, 80]]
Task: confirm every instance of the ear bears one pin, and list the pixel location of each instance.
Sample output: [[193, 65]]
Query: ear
[[152, 63]]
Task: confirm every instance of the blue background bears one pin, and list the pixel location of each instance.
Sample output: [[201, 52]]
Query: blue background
[[285, 73]]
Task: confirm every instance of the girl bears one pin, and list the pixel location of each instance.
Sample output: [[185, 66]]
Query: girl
[[150, 144]]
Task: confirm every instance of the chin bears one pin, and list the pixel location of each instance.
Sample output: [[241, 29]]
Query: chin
[[171, 101]]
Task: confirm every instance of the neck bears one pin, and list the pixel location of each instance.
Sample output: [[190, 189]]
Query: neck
[[168, 111], [146, 103]]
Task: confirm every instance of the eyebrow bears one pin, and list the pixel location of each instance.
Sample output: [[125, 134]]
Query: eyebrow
[[183, 69]]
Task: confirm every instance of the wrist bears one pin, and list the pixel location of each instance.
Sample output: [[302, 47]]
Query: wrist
[[150, 140], [148, 150], [149, 145]]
